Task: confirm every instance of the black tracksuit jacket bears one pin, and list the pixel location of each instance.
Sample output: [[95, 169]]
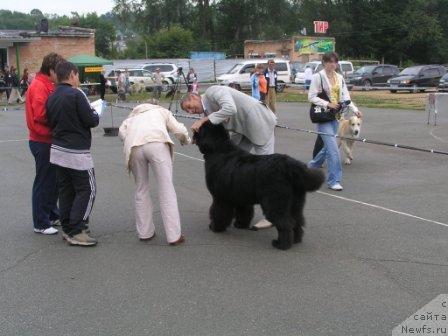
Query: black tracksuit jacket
[[70, 118]]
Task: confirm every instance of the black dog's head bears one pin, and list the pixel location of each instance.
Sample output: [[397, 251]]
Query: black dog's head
[[212, 139]]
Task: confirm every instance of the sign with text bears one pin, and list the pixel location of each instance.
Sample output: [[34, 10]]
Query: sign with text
[[93, 69], [320, 27]]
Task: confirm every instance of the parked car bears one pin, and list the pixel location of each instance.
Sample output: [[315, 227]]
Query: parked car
[[344, 67], [135, 76], [443, 83], [168, 70], [417, 78], [372, 75], [239, 75], [295, 68]]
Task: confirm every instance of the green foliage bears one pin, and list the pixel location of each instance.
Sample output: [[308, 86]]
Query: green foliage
[[104, 29], [174, 42], [400, 32]]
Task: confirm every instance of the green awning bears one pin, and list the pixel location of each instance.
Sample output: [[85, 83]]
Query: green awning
[[88, 60]]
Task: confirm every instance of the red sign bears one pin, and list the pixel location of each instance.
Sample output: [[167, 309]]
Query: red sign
[[320, 27]]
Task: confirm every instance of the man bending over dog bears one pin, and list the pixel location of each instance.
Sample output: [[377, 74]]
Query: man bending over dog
[[250, 121]]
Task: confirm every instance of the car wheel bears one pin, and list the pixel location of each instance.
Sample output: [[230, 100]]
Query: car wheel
[[235, 86], [280, 87], [422, 90], [367, 85], [393, 91], [166, 85]]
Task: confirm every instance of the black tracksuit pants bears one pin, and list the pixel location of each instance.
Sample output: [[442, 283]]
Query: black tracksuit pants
[[77, 190]]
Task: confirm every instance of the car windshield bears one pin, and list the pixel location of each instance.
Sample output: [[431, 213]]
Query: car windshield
[[410, 71], [445, 76], [300, 67], [162, 67], [365, 69], [235, 68], [311, 65]]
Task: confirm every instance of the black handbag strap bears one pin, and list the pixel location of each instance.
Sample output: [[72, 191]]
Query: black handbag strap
[[323, 95]]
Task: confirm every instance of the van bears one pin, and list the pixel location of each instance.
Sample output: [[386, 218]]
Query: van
[[239, 75]]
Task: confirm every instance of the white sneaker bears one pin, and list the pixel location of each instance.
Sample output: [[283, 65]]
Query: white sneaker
[[263, 224], [49, 231], [336, 187]]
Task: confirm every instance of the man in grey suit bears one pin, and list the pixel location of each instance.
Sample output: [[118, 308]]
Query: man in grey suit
[[250, 122]]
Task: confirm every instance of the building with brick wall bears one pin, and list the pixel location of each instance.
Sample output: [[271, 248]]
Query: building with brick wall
[[295, 48], [26, 49]]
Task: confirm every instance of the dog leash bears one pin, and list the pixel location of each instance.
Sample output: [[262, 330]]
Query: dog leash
[[374, 142], [303, 130]]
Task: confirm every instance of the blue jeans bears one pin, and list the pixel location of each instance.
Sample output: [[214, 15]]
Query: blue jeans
[[307, 84], [330, 152], [45, 187]]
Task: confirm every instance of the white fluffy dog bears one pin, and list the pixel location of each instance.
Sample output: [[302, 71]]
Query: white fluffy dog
[[349, 128]]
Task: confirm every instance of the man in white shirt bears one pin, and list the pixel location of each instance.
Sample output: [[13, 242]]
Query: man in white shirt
[[308, 77]]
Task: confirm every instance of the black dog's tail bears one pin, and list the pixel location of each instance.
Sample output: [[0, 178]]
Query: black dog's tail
[[306, 178], [313, 179]]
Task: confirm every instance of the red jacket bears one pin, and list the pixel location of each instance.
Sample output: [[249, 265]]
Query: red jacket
[[36, 98]]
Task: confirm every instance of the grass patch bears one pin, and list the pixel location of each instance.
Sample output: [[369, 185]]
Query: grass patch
[[375, 99]]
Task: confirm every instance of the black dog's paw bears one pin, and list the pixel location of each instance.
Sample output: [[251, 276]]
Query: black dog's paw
[[279, 245], [215, 229]]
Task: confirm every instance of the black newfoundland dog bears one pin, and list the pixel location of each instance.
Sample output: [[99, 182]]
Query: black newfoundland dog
[[237, 180]]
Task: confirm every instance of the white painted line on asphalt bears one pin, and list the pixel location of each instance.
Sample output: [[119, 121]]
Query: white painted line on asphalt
[[356, 201], [16, 140], [382, 208], [190, 157], [436, 137]]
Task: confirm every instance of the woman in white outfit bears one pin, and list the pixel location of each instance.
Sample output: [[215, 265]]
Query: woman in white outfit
[[147, 143]]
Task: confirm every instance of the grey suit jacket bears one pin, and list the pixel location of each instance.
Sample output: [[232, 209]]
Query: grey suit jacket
[[239, 113]]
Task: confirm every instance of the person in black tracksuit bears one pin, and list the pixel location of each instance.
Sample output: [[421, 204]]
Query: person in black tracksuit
[[103, 82], [71, 117]]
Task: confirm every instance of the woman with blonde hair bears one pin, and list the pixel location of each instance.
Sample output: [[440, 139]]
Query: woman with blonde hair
[[147, 143]]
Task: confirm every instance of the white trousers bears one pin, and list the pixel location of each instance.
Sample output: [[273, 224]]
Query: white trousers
[[158, 156]]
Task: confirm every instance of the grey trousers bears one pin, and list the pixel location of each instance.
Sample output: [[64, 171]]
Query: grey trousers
[[244, 143]]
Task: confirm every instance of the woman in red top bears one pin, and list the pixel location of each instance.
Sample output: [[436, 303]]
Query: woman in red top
[[45, 194]]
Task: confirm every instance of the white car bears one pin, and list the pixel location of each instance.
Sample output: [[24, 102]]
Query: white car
[[344, 67], [239, 75], [136, 76], [168, 70]]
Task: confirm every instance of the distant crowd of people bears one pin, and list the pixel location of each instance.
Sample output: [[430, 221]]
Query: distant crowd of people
[[12, 86], [264, 84]]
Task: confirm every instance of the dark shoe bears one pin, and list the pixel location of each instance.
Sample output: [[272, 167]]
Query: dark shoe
[[148, 239], [181, 240]]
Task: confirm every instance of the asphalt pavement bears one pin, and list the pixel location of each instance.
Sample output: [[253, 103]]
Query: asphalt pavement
[[371, 256]]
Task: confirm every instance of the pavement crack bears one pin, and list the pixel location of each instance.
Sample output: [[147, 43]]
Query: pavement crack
[[20, 261], [403, 261]]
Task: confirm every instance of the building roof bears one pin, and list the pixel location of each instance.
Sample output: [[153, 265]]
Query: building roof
[[22, 35], [88, 60]]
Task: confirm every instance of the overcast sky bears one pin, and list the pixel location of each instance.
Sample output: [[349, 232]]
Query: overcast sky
[[58, 6]]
